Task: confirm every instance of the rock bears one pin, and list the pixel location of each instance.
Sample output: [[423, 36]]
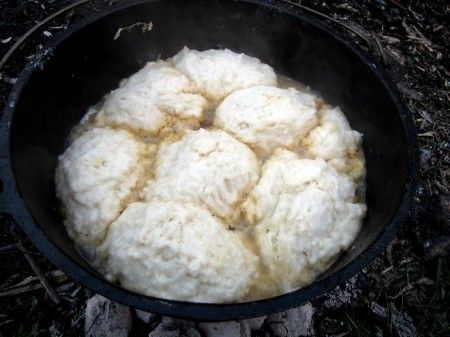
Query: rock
[[105, 318], [144, 316], [242, 328], [177, 321], [224, 329], [174, 329], [255, 323], [294, 322]]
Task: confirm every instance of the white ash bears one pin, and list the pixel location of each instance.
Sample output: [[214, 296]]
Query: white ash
[[294, 322], [105, 318], [343, 295]]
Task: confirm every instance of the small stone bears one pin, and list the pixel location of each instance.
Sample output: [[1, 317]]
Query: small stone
[[255, 323], [294, 322], [379, 332], [225, 329], [425, 155], [145, 316], [105, 318], [174, 329], [177, 321], [54, 330]]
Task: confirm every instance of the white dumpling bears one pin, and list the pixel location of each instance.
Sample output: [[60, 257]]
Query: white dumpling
[[220, 72], [210, 168], [178, 251], [95, 178], [334, 141], [304, 215], [151, 99], [267, 117]]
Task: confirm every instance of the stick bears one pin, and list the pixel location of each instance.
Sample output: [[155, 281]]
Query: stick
[[25, 287], [37, 270], [20, 290], [8, 247], [56, 276]]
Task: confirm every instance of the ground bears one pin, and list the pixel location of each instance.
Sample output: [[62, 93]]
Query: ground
[[404, 292]]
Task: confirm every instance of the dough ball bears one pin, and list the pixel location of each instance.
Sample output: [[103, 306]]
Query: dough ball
[[220, 72], [150, 98], [209, 168], [178, 251], [95, 178], [267, 117], [334, 141], [304, 215]]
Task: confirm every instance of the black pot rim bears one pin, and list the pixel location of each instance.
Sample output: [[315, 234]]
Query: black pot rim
[[12, 204]]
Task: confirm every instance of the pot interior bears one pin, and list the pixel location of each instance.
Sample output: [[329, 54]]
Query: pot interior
[[90, 63]]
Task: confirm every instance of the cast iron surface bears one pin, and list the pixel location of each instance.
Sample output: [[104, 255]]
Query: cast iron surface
[[84, 63]]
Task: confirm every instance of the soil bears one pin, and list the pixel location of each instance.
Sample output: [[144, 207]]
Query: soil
[[404, 292]]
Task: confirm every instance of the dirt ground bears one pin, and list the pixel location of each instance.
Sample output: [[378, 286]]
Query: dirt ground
[[405, 292]]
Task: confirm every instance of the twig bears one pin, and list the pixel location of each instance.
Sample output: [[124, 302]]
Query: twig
[[145, 27], [65, 287], [55, 275], [20, 290], [24, 286], [8, 281], [380, 49], [25, 281], [73, 323], [341, 334], [18, 251], [37, 270], [398, 4], [8, 247], [421, 282], [75, 292], [6, 322]]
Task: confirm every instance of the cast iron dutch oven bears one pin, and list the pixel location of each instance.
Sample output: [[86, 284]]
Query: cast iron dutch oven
[[86, 62]]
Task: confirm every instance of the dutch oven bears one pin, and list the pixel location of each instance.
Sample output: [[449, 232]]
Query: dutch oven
[[82, 64]]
